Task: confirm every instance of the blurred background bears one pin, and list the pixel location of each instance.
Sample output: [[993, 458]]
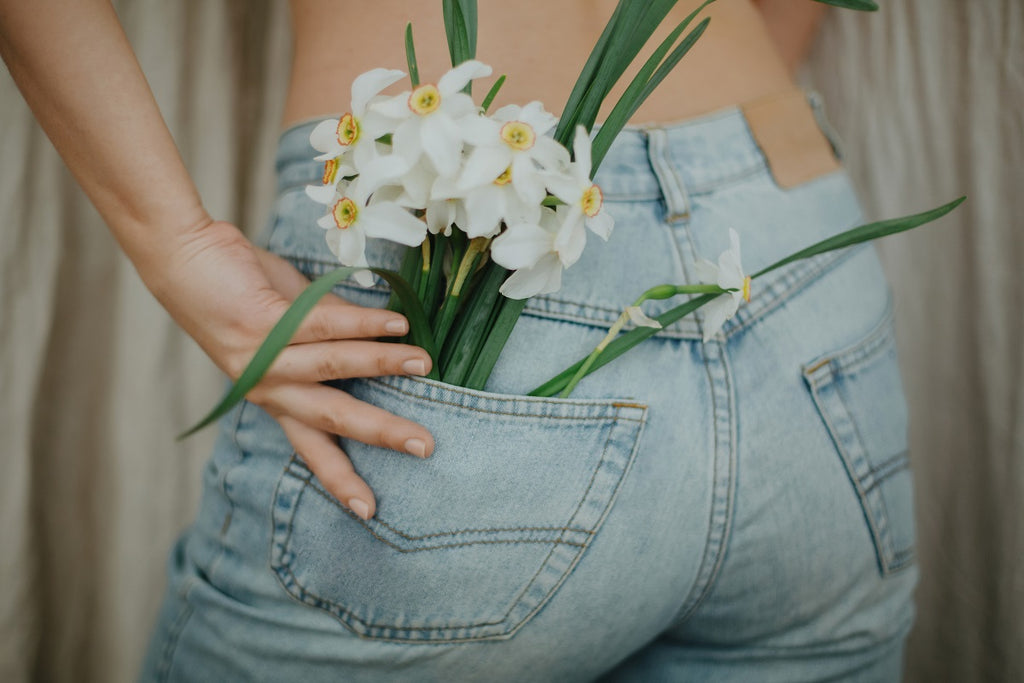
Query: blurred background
[[95, 379]]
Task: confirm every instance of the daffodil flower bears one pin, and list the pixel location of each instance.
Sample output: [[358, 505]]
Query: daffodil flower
[[352, 218], [354, 134], [513, 141], [579, 192], [488, 206], [535, 254], [728, 274], [429, 118]]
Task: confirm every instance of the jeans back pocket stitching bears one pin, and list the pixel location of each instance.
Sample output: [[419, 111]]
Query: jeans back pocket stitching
[[303, 478], [862, 474]]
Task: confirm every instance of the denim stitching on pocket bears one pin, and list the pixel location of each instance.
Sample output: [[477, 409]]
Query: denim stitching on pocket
[[618, 422], [868, 471]]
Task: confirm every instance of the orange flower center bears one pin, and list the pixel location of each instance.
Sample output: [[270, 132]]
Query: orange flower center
[[518, 135], [593, 200], [425, 99], [344, 212], [330, 171], [505, 178], [348, 130]]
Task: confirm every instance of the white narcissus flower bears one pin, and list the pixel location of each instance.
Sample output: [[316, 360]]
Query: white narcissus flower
[[487, 206], [513, 142], [430, 118], [641, 319], [349, 142], [534, 253], [579, 192], [352, 218], [728, 274]]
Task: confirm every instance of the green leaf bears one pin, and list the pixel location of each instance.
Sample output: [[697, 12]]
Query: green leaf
[[865, 233], [492, 93], [281, 334], [641, 86], [458, 353], [621, 344], [410, 56], [863, 5], [460, 23], [506, 317]]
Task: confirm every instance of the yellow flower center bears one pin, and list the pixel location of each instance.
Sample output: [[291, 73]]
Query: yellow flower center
[[348, 130], [505, 178], [344, 212], [592, 201], [425, 99], [746, 289], [330, 171], [518, 135]]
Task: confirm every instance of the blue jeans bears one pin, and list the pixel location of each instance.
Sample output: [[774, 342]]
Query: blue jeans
[[737, 510]]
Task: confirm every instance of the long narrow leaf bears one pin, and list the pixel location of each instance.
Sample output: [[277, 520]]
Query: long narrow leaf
[[863, 5], [457, 355], [410, 56], [491, 349], [622, 344], [638, 89], [281, 334], [673, 59], [865, 233]]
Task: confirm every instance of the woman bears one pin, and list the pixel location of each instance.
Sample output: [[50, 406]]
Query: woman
[[731, 510]]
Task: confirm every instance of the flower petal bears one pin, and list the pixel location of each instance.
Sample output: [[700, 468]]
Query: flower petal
[[543, 278], [391, 222], [483, 166], [522, 246], [705, 271], [348, 244], [571, 238], [324, 137], [441, 143], [369, 84], [716, 312], [457, 78], [581, 149], [322, 194], [551, 155], [639, 318], [601, 224]]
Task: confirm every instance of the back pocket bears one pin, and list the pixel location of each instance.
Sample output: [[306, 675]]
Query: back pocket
[[860, 396], [470, 543]]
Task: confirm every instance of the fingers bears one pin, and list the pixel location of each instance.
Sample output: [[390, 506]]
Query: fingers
[[335, 412], [324, 361], [331, 466], [340, 320]]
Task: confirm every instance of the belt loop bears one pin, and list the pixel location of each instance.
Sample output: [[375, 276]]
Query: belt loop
[[677, 201]]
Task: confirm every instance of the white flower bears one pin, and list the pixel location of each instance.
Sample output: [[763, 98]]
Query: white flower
[[355, 133], [487, 206], [514, 141], [728, 274], [352, 218], [536, 254], [429, 118], [575, 188]]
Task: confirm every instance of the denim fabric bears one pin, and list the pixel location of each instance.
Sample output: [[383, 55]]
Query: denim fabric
[[737, 510]]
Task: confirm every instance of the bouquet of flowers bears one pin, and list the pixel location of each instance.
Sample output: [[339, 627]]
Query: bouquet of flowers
[[493, 207]]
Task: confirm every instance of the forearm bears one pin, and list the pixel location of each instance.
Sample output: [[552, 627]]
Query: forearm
[[76, 69], [792, 25]]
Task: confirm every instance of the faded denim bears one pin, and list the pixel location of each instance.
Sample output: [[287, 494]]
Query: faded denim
[[739, 510]]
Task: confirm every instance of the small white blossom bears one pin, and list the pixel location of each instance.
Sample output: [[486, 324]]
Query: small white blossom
[[429, 118], [536, 255], [639, 318], [728, 274], [576, 189]]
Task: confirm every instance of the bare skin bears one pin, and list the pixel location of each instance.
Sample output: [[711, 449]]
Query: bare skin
[[90, 96]]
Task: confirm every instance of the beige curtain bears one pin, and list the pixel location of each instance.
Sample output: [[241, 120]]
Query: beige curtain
[[95, 380]]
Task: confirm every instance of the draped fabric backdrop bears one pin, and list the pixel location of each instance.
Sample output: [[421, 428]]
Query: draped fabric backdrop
[[95, 379]]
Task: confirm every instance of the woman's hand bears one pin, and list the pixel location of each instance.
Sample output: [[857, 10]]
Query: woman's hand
[[227, 295]]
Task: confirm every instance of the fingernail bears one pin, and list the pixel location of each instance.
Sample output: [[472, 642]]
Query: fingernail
[[360, 507], [417, 447], [414, 367], [397, 326]]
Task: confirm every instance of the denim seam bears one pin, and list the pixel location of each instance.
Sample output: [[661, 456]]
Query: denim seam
[[615, 416], [718, 532], [174, 634], [331, 499]]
